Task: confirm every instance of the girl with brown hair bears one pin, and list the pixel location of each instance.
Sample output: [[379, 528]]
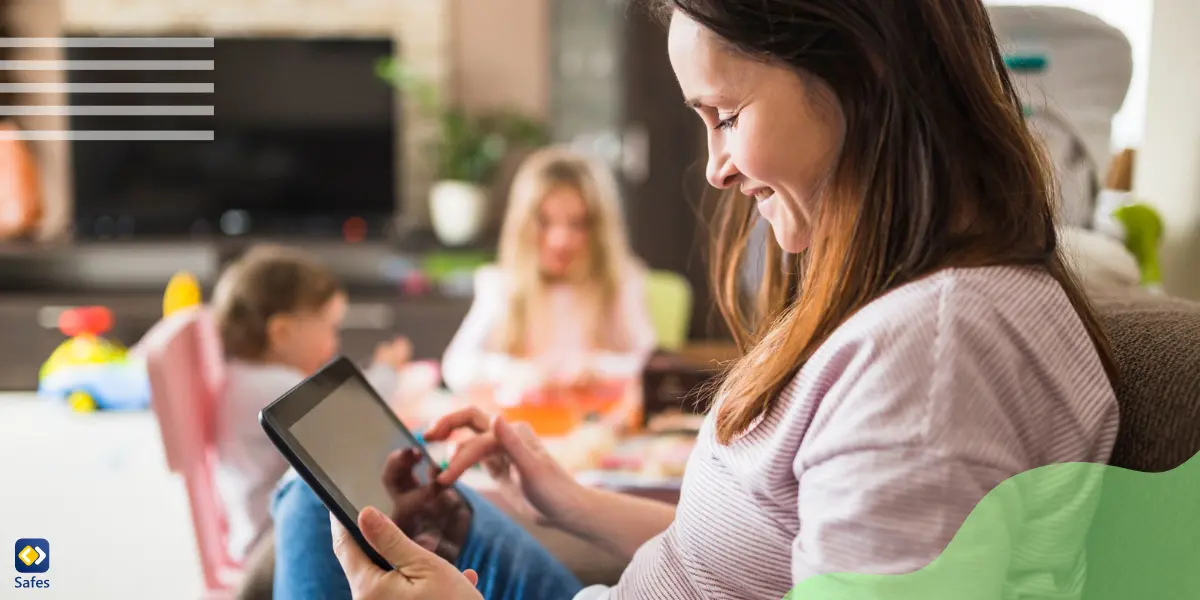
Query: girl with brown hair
[[279, 314], [917, 339]]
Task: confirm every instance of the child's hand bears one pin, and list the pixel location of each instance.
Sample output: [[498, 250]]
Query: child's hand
[[394, 354]]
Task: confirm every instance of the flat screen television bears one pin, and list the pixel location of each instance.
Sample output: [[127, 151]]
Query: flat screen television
[[304, 141]]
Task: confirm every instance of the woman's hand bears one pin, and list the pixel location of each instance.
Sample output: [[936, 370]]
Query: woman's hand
[[516, 459], [419, 573]]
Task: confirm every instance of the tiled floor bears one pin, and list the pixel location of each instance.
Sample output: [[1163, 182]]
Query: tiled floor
[[96, 487]]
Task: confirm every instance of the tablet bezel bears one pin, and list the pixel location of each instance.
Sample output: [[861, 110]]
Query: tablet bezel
[[279, 416]]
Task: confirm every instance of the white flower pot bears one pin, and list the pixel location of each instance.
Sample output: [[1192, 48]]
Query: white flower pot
[[458, 210]]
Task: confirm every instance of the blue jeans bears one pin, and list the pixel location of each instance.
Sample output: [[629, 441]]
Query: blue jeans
[[512, 565]]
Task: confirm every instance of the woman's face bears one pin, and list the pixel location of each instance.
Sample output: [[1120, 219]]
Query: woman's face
[[562, 232], [771, 133]]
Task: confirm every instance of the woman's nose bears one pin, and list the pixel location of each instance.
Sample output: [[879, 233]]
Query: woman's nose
[[720, 170]]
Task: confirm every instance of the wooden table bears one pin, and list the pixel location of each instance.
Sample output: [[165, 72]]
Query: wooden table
[[440, 401], [590, 563]]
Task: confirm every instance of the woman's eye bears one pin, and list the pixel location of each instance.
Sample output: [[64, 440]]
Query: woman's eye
[[726, 123]]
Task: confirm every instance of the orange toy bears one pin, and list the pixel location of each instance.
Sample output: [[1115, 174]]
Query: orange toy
[[557, 411]]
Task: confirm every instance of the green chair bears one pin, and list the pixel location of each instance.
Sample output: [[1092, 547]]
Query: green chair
[[669, 296]]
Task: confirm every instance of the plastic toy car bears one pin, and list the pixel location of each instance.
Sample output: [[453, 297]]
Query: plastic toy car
[[91, 372]]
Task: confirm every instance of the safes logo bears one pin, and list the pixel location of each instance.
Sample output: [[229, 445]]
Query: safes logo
[[32, 555]]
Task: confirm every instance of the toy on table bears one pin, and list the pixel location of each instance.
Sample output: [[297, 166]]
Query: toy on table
[[91, 372], [555, 411], [651, 456]]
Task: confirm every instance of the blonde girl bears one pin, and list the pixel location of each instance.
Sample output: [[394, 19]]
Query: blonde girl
[[566, 301]]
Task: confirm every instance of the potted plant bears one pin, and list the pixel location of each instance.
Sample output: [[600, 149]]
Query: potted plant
[[468, 151]]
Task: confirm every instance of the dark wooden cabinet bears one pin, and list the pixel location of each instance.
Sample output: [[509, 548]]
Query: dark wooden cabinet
[[429, 322], [29, 323], [38, 283], [28, 326]]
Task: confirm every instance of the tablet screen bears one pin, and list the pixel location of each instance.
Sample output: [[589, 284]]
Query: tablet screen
[[359, 447]]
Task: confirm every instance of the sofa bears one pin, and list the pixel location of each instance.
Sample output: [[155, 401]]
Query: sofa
[[1143, 540], [1156, 343]]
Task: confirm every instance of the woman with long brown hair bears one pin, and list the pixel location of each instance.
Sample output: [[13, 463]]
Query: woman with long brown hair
[[917, 339]]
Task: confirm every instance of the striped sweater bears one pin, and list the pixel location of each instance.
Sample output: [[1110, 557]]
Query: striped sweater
[[887, 439]]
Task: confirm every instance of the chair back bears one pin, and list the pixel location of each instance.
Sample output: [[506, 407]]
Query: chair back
[[669, 295], [185, 364]]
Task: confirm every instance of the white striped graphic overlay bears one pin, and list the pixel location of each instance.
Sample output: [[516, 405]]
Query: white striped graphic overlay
[[108, 136], [108, 42], [106, 88], [107, 111], [106, 65], [135, 84]]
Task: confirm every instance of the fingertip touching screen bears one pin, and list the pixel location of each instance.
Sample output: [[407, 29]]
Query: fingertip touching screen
[[356, 446]]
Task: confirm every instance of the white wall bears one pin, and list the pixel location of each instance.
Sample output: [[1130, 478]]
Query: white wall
[[1168, 164], [1133, 18]]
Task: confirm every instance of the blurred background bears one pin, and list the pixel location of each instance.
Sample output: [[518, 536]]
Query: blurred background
[[334, 125]]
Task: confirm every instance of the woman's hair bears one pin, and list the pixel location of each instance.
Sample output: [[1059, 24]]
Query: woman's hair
[[267, 280], [938, 169], [607, 255]]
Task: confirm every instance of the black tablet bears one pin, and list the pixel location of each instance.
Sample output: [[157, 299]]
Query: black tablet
[[354, 452]]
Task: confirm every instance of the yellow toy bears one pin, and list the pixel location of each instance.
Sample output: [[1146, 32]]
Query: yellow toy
[[91, 372], [183, 292]]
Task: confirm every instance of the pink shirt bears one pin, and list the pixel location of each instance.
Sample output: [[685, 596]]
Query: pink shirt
[[471, 360], [885, 441]]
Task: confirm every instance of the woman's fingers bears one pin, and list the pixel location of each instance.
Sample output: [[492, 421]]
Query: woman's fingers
[[500, 441], [518, 441], [387, 539], [353, 560], [469, 454], [472, 576], [471, 418]]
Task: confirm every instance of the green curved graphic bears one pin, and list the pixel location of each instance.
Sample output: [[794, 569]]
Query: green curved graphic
[[1075, 530]]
